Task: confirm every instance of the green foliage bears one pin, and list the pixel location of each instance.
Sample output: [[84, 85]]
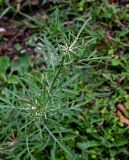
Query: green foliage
[[1, 2], [4, 65], [66, 109]]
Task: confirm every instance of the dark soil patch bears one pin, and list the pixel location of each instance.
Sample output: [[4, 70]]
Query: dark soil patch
[[13, 36]]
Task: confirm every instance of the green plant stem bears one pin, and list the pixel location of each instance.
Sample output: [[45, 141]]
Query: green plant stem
[[54, 80], [57, 141]]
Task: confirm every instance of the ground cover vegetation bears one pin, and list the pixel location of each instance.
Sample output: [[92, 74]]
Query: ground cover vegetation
[[64, 75]]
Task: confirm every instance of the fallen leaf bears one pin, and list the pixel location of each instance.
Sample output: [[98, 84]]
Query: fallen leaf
[[9, 34], [121, 107], [122, 118], [109, 37]]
